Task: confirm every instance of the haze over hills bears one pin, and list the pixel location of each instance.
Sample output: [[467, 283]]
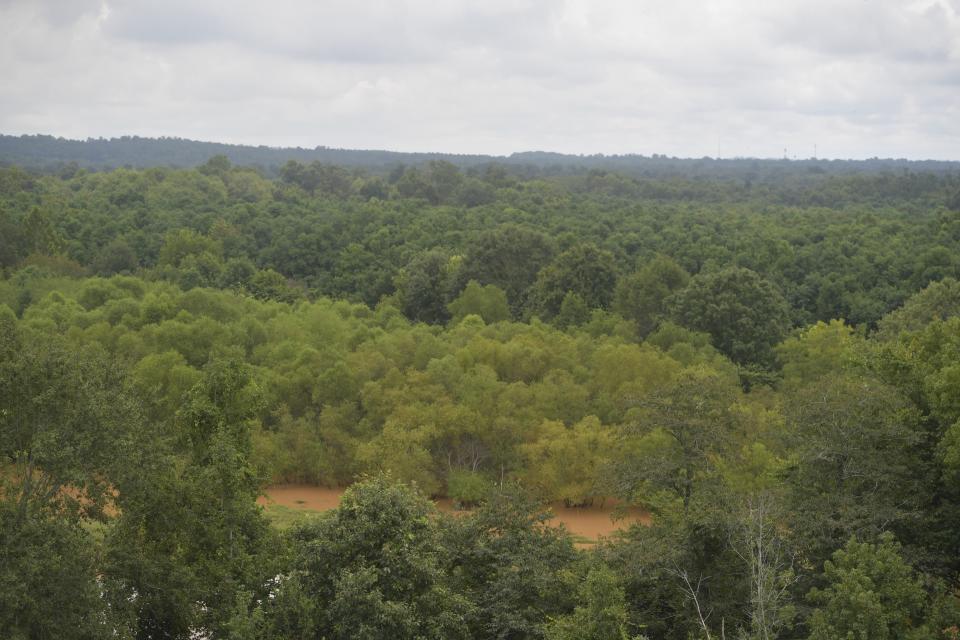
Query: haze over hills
[[49, 153]]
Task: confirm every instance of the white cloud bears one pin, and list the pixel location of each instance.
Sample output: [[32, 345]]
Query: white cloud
[[857, 78]]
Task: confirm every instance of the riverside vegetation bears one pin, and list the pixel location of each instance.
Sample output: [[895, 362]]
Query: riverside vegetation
[[767, 364]]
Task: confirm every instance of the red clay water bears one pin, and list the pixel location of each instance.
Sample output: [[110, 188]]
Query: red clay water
[[586, 522]]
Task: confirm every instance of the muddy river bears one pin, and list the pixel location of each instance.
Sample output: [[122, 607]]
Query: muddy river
[[585, 522]]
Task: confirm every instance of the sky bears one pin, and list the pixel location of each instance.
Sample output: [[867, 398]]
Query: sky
[[727, 78]]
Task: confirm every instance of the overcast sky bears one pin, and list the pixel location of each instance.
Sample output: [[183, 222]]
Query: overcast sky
[[856, 78]]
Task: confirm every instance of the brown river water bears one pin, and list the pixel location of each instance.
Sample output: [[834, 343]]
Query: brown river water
[[586, 522]]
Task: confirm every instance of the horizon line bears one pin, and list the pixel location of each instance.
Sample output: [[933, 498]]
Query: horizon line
[[637, 154]]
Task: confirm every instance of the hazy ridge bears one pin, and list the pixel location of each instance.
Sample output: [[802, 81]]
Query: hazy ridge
[[49, 153]]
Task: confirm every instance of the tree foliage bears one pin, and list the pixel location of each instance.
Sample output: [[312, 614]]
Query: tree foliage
[[506, 335], [744, 314]]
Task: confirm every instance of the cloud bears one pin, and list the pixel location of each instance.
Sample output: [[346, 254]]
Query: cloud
[[887, 29], [857, 78], [341, 31], [56, 13]]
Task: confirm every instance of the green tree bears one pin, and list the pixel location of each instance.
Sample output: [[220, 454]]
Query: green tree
[[745, 314], [65, 423], [41, 235], [445, 179], [218, 165], [474, 193], [402, 449], [413, 183], [13, 240], [585, 270], [183, 243], [642, 296], [574, 311], [601, 614], [938, 300], [424, 287], [117, 257], [267, 284], [373, 568], [856, 467], [870, 594], [509, 257], [683, 428], [819, 350], [317, 177], [371, 188], [489, 302], [191, 539], [237, 274], [511, 564], [566, 463], [48, 579]]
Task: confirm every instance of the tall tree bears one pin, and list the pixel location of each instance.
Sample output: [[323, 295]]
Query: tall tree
[[745, 314], [870, 593], [512, 565], [65, 424], [191, 539], [509, 257], [425, 287], [371, 569], [601, 614], [681, 430], [856, 467], [642, 295], [585, 270]]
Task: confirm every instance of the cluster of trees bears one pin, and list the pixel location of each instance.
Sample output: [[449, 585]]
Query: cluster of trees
[[173, 340], [852, 247], [140, 421]]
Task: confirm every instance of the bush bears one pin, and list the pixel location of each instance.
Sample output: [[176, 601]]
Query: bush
[[467, 488]]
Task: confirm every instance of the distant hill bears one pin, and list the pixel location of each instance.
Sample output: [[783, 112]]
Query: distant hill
[[49, 153], [42, 152]]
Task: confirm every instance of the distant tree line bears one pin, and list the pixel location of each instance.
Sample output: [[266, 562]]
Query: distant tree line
[[50, 153]]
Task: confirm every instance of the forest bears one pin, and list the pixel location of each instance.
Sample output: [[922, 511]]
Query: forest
[[763, 358]]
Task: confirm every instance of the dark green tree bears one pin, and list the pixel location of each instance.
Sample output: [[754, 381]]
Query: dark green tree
[[117, 257], [317, 177], [642, 296], [65, 425], [512, 565], [191, 539], [489, 302], [424, 287], [584, 270], [373, 568], [857, 466], [745, 315], [870, 593], [474, 193], [601, 613], [509, 257]]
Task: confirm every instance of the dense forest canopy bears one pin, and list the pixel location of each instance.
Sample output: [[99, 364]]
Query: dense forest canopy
[[762, 356]]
